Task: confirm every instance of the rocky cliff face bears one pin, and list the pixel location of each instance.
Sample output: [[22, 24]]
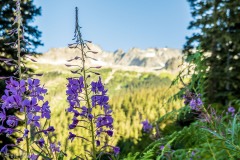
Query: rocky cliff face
[[154, 58]]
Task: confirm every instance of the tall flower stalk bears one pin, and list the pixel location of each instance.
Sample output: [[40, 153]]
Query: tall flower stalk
[[19, 22], [19, 35], [89, 102], [26, 96]]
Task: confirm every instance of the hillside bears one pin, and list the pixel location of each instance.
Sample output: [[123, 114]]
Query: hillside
[[134, 97]]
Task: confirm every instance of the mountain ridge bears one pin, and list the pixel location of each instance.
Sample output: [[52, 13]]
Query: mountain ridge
[[150, 58]]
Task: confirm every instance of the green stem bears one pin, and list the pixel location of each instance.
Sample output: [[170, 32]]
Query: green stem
[[211, 151], [19, 65], [19, 44], [27, 139], [212, 122], [88, 101]]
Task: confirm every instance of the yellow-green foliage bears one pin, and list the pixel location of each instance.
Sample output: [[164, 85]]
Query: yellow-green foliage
[[134, 97]]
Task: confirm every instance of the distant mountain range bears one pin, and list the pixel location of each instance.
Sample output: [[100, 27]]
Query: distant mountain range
[[151, 58]]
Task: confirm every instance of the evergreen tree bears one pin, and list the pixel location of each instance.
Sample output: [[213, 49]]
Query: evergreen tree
[[31, 35], [218, 26]]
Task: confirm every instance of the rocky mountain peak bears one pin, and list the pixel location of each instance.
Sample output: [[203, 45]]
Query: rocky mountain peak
[[152, 58]]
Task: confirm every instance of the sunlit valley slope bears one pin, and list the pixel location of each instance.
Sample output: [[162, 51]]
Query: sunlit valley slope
[[138, 84]]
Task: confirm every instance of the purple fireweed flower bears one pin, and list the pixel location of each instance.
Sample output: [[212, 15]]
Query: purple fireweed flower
[[45, 111], [12, 121], [33, 83], [109, 132], [77, 97], [77, 84], [25, 134], [97, 143], [33, 157], [46, 131], [31, 105], [16, 87], [85, 111], [26, 131], [116, 150], [147, 127], [74, 87], [97, 86], [24, 96], [195, 104], [5, 149], [199, 102], [11, 101], [9, 131], [161, 147], [231, 110], [33, 119], [188, 97], [75, 121], [193, 100], [50, 129], [35, 89], [71, 136], [193, 153], [99, 131], [2, 116], [100, 100], [19, 140], [72, 126], [90, 116], [107, 109], [93, 99], [76, 113], [105, 120], [21, 95], [41, 142], [54, 147], [2, 129], [71, 106]]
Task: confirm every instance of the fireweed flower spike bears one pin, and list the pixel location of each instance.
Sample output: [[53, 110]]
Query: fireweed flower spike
[[86, 98], [208, 115], [27, 97], [30, 101], [193, 100]]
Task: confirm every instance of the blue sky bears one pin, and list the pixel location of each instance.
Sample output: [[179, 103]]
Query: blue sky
[[115, 24]]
